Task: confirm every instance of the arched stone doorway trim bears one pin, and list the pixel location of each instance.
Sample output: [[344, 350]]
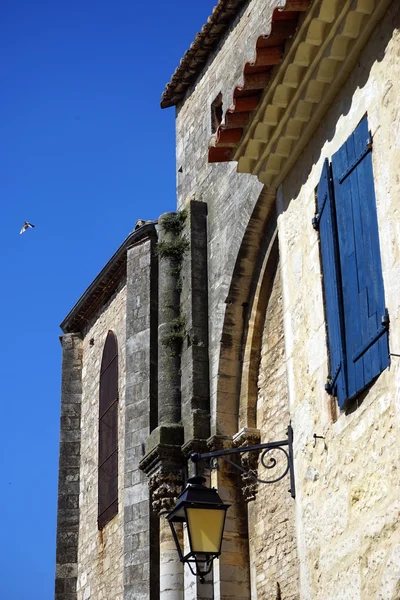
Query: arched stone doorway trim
[[252, 335], [249, 267]]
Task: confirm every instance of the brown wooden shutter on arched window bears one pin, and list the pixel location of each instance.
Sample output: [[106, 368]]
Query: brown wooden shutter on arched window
[[108, 432]]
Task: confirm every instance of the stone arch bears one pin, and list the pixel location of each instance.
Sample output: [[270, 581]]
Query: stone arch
[[258, 246], [253, 334], [252, 407]]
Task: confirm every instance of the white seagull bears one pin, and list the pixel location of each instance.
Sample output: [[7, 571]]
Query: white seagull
[[26, 226]]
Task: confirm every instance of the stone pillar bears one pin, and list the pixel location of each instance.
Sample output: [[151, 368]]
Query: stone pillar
[[195, 361], [165, 487], [163, 462], [249, 488], [169, 381], [194, 302], [141, 554], [171, 569], [69, 468], [163, 465]]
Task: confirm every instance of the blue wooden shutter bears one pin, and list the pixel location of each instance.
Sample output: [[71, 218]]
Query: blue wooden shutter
[[332, 288], [365, 323]]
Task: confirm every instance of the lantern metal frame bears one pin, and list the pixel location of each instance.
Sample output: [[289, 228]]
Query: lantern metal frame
[[196, 495], [188, 498]]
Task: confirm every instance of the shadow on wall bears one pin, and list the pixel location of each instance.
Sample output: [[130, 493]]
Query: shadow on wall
[[358, 79]]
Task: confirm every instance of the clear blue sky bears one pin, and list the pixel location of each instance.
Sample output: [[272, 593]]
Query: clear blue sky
[[85, 151]]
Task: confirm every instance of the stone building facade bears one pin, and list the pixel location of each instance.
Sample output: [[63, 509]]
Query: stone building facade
[[225, 327]]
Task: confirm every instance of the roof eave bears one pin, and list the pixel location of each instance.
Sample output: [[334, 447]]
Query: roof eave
[[105, 282], [203, 46], [300, 90]]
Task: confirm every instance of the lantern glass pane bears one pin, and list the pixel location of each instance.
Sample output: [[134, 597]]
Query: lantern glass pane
[[177, 532], [205, 526]]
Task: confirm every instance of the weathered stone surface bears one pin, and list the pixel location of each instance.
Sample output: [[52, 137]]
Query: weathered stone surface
[[169, 352], [345, 528], [140, 531], [100, 553], [271, 516], [194, 306], [230, 197], [68, 478]]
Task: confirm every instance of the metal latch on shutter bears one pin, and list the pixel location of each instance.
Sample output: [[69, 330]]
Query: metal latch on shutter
[[382, 329], [330, 384], [315, 220], [357, 160]]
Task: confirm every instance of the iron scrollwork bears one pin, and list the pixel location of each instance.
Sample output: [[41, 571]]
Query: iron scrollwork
[[269, 462]]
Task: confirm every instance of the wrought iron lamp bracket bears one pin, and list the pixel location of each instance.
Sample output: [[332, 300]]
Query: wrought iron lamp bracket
[[269, 462]]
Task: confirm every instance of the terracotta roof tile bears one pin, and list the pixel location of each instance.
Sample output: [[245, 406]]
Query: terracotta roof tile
[[270, 50], [200, 50]]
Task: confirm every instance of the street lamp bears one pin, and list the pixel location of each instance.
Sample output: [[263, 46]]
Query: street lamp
[[204, 513]]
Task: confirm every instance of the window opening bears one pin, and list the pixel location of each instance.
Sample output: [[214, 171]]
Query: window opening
[[108, 433], [216, 113]]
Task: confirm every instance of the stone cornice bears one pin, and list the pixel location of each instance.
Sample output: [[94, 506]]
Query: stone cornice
[[315, 66]]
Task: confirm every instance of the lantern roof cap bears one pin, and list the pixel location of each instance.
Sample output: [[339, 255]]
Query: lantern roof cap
[[198, 495]]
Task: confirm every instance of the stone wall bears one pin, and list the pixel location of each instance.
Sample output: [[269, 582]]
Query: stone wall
[[141, 536], [69, 468], [347, 484], [100, 553], [230, 196], [271, 516]]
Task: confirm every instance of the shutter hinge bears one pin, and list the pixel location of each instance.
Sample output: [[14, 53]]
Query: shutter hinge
[[317, 217], [331, 382], [384, 327], [357, 160], [385, 320]]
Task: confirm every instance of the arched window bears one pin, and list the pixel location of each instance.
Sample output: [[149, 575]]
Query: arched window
[[108, 433]]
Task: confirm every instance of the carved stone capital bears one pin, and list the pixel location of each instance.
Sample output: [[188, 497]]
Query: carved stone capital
[[219, 442], [249, 461], [164, 467], [164, 490], [194, 446]]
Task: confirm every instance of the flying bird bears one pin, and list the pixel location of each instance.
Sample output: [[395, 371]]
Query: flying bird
[[26, 226]]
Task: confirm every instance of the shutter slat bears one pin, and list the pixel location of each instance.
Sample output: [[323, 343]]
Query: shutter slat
[[108, 428], [369, 331], [372, 256], [331, 281], [355, 333], [348, 262], [375, 366]]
